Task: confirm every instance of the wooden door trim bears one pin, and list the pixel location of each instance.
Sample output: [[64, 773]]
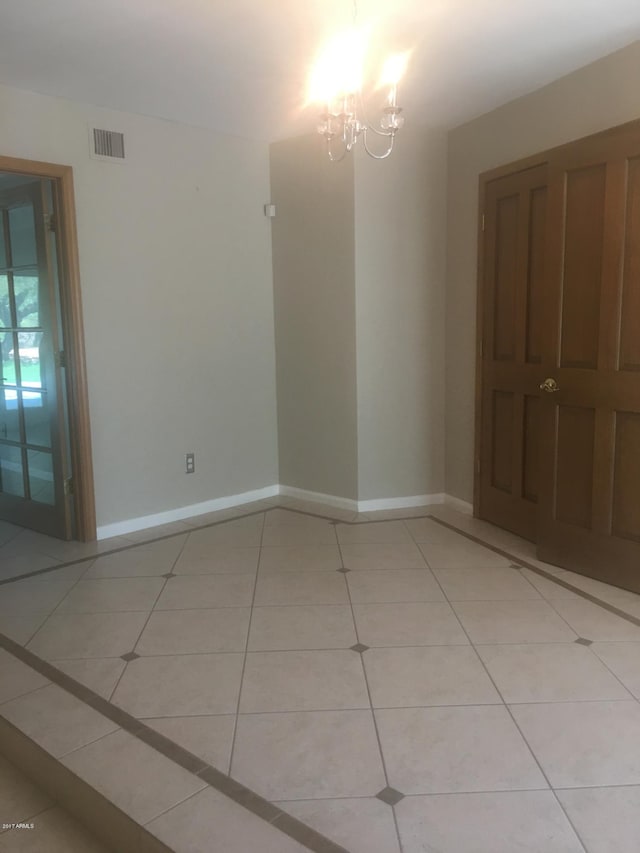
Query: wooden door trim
[[76, 372]]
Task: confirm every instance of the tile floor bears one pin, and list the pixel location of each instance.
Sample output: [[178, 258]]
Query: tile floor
[[393, 684]]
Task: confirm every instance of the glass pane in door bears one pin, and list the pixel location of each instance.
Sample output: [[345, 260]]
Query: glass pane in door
[[11, 476], [22, 235], [26, 291], [41, 477], [5, 311]]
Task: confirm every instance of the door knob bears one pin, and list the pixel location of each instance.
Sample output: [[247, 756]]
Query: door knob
[[550, 386]]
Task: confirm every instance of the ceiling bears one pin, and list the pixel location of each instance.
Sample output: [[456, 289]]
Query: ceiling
[[241, 66]]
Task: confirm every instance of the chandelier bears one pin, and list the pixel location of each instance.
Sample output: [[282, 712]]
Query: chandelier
[[336, 81]]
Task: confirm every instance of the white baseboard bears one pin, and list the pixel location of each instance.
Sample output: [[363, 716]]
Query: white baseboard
[[131, 525], [319, 498], [459, 505], [400, 503]]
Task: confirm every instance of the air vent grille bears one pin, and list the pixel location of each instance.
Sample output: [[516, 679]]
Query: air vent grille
[[108, 143]]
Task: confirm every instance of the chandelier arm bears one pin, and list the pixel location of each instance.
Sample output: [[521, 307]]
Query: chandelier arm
[[378, 156], [331, 155]]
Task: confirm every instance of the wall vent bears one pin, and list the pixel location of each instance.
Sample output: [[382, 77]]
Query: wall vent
[[106, 144]]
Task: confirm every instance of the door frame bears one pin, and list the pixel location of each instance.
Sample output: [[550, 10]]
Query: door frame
[[73, 334]]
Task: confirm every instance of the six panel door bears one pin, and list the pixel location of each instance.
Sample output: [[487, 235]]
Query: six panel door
[[589, 512]]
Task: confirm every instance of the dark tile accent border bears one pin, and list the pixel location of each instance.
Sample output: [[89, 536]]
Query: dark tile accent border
[[523, 564], [236, 791]]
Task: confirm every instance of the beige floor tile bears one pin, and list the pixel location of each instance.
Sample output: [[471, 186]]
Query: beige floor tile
[[394, 585], [12, 566], [56, 720], [428, 531], [16, 678], [326, 626], [88, 635], [136, 778], [606, 818], [580, 744], [559, 672], [595, 623], [604, 591], [217, 560], [98, 674], [180, 686], [408, 624], [376, 532], [428, 675], [112, 594], [513, 622], [131, 563], [322, 533], [503, 584], [299, 558], [240, 532], [20, 799], [209, 821], [34, 595], [281, 517], [54, 831], [169, 546], [207, 591], [210, 737], [462, 749], [467, 555], [623, 659], [183, 632], [547, 588], [21, 627], [158, 532], [363, 825], [371, 556], [302, 588], [303, 681], [523, 821], [308, 755]]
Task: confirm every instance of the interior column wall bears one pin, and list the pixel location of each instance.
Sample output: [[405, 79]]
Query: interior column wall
[[314, 305], [400, 304]]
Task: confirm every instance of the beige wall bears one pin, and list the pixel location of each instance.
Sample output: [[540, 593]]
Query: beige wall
[[601, 95], [400, 271], [175, 261], [314, 304]]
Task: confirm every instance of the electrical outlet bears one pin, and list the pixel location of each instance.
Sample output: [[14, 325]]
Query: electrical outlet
[[190, 466]]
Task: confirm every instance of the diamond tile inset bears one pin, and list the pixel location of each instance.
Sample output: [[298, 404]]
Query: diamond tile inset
[[583, 642], [359, 647], [390, 796], [344, 571], [129, 656]]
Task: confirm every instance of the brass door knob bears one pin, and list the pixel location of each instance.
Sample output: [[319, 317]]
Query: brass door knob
[[549, 385]]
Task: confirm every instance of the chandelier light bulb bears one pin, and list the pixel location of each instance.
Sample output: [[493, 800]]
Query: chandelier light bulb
[[336, 81]]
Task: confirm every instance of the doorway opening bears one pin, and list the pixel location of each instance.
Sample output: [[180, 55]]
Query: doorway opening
[[46, 475]]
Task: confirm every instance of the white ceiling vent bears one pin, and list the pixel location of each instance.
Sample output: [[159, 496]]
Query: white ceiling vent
[[106, 145]]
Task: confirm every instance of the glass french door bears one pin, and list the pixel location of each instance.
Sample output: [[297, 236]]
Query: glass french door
[[33, 434]]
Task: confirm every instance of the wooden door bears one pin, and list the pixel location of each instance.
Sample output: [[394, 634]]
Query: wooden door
[[589, 509], [511, 284]]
